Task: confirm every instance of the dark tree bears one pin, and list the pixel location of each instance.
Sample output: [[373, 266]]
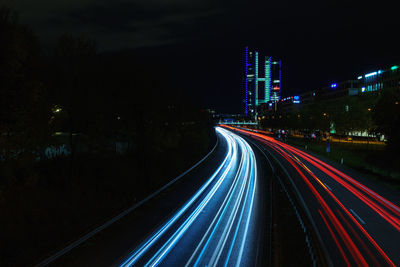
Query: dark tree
[[73, 78], [387, 117], [24, 112]]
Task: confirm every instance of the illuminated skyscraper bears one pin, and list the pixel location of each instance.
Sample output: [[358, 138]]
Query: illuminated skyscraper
[[276, 80], [269, 85], [249, 81]]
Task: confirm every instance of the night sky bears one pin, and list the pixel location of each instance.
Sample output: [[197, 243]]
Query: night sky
[[202, 41]]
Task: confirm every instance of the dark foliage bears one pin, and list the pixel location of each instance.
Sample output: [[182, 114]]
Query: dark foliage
[[128, 131]]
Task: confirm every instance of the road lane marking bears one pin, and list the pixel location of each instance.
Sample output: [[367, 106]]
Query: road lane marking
[[327, 186], [358, 217]]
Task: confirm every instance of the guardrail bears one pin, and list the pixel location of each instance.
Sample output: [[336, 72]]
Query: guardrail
[[239, 123]]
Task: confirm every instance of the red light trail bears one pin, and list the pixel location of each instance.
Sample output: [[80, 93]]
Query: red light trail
[[378, 204]]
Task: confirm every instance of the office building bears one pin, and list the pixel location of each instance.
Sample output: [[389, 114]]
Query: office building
[[275, 70], [380, 79], [372, 82], [262, 81]]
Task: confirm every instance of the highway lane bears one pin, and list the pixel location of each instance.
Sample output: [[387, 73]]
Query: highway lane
[[213, 215], [357, 225], [217, 225]]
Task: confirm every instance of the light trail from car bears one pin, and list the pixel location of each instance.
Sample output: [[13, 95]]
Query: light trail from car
[[227, 200], [334, 217]]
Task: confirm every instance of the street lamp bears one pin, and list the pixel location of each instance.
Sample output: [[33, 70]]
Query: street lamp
[[56, 109]]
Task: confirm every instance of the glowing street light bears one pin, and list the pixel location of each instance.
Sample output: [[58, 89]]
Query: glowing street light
[[56, 109]]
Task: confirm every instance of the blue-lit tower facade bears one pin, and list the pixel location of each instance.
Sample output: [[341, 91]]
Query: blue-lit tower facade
[[262, 81], [276, 81], [250, 82]]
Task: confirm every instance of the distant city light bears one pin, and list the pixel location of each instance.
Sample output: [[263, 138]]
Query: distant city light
[[333, 85], [363, 89], [370, 74], [359, 77], [256, 80], [246, 73], [394, 67], [56, 109], [296, 99]]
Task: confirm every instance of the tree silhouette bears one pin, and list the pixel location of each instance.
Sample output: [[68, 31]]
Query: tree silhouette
[[386, 114], [24, 112], [73, 63]]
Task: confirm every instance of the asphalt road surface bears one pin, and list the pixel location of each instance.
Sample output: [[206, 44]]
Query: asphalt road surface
[[358, 221], [215, 227], [213, 216], [216, 214]]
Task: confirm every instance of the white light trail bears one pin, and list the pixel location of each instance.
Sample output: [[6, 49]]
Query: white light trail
[[233, 218]]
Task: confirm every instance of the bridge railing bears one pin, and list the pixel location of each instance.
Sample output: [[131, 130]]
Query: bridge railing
[[239, 123]]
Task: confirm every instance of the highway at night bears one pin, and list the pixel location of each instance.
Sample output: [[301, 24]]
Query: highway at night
[[199, 133], [215, 227], [212, 216], [355, 224], [216, 214]]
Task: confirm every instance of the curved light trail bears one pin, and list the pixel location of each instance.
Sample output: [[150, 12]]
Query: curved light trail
[[215, 226], [358, 242]]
